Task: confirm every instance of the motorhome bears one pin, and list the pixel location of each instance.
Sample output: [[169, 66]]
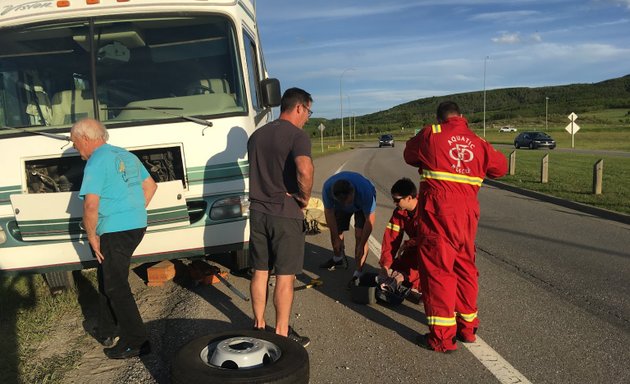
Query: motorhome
[[182, 84]]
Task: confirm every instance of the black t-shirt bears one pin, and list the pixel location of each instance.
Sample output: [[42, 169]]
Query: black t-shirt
[[272, 150]]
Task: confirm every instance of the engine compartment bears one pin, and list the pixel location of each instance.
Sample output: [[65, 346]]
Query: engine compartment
[[65, 174]]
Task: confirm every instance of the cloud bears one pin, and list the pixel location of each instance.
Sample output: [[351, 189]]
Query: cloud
[[625, 3], [515, 38], [530, 44], [507, 38], [505, 16], [342, 12]]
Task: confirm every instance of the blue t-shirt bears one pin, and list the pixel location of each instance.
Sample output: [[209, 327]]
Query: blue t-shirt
[[116, 176], [364, 193]]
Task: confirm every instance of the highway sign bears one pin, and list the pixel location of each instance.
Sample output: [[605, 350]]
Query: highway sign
[[572, 128]]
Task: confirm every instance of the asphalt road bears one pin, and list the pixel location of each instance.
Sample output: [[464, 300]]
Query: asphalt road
[[554, 293], [553, 304]]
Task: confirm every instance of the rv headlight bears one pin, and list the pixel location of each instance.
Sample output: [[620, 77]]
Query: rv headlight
[[230, 208]]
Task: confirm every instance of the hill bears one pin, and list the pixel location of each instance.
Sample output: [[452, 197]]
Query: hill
[[515, 106]]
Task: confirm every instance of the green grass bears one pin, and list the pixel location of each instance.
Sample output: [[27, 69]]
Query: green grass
[[570, 174], [571, 177], [28, 315], [612, 115], [588, 137]]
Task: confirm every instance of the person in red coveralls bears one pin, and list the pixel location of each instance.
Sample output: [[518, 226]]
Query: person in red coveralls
[[452, 163], [399, 259]]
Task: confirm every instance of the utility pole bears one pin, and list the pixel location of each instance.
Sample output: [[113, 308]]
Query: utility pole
[[341, 100], [485, 61], [349, 117], [546, 112]]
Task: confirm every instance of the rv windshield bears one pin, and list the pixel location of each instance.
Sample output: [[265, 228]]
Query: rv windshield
[[135, 69]]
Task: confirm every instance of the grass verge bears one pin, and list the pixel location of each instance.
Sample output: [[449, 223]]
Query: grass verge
[[571, 177], [29, 314], [570, 174]]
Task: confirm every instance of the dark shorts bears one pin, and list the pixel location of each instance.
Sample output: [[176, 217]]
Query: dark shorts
[[343, 220], [276, 242]]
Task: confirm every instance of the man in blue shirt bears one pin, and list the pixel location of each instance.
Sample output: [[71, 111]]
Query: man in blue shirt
[[348, 194], [116, 189]]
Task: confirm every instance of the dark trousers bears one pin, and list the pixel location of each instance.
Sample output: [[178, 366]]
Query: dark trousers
[[118, 312]]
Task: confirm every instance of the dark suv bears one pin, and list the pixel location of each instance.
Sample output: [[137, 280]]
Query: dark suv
[[534, 140], [386, 140]]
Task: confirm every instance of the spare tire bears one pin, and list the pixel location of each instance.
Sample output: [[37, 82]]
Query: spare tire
[[291, 365]]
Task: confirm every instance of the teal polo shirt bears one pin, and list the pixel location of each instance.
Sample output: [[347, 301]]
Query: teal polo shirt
[[116, 176]]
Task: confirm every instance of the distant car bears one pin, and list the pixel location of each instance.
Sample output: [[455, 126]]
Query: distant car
[[386, 141], [534, 140], [507, 128]]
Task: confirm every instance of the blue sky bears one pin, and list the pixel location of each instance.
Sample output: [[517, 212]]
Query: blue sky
[[392, 52]]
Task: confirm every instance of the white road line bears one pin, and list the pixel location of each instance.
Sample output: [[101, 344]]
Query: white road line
[[497, 365], [340, 168], [375, 247]]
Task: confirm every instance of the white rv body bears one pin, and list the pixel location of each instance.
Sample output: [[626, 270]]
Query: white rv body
[[180, 83]]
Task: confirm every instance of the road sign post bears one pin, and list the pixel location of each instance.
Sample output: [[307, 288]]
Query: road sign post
[[572, 128], [321, 128]]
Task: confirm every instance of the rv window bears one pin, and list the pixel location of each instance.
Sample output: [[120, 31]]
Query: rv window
[[253, 73], [161, 62]]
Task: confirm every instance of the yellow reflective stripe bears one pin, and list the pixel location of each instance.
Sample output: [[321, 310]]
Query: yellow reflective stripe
[[443, 321], [468, 317], [436, 128], [452, 177], [393, 227]]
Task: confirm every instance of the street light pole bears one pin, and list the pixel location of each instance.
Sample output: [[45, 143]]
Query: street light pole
[[349, 117], [485, 61], [341, 101], [546, 112]]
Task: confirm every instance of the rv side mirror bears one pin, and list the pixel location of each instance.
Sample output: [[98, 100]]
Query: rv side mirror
[[270, 89]]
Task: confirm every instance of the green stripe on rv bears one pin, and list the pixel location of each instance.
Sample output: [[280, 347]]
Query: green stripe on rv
[[50, 227], [6, 192], [168, 215], [218, 173], [56, 227]]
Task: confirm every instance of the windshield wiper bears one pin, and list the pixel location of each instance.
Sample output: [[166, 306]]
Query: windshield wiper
[[163, 110], [51, 135]]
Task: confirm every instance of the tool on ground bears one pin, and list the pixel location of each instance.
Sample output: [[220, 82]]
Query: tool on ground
[[213, 270], [216, 272], [311, 284]]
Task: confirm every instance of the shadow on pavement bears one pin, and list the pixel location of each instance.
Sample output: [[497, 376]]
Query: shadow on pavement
[[335, 287], [87, 296], [168, 336]]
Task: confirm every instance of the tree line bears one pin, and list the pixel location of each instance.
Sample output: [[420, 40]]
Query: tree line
[[502, 106]]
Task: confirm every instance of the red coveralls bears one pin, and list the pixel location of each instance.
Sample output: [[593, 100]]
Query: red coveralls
[[401, 222], [452, 162]]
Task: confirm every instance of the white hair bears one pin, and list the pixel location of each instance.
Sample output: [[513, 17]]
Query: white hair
[[90, 128]]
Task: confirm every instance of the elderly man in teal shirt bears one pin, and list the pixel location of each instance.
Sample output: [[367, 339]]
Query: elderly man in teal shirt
[[116, 189]]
